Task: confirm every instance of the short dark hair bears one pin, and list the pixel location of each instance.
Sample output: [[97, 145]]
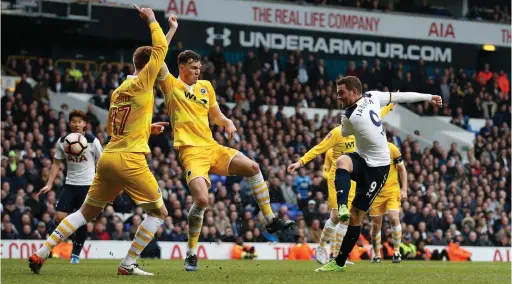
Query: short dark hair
[[141, 56], [350, 82], [77, 113], [188, 56]]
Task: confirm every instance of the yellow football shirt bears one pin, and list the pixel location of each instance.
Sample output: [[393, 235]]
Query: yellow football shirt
[[392, 182], [131, 105], [188, 108]]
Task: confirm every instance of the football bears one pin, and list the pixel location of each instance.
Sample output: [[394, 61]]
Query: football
[[75, 144]]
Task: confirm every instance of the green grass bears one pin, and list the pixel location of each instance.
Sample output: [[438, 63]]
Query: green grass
[[246, 272]]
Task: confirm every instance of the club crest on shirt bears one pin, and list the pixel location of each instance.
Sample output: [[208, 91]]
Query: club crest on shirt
[[203, 91]]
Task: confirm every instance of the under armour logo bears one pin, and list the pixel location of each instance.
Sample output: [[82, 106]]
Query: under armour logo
[[212, 36]]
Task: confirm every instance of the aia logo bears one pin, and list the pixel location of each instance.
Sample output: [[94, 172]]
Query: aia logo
[[194, 98], [76, 159]]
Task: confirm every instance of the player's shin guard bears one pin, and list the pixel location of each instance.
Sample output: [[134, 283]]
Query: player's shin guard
[[376, 244], [342, 183], [397, 237], [78, 242], [341, 230], [69, 225], [195, 223], [328, 233], [143, 237], [260, 191], [348, 244]]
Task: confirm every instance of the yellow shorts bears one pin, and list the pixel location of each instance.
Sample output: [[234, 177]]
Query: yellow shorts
[[198, 161], [128, 172], [388, 199], [332, 201]]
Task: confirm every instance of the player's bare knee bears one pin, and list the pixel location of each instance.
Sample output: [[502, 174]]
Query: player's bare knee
[[201, 201], [356, 217], [59, 217], [255, 169], [160, 213], [395, 221], [375, 229], [344, 162]]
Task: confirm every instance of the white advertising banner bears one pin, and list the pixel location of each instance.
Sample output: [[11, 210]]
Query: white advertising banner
[[22, 249], [329, 19]]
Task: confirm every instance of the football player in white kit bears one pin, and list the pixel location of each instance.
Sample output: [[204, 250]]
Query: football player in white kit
[[369, 165], [79, 175]]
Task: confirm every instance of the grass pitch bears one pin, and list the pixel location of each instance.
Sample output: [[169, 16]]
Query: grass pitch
[[245, 272]]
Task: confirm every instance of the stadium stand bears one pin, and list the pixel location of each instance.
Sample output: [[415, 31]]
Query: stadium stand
[[451, 193]]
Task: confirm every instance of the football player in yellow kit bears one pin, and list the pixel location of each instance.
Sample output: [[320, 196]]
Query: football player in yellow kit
[[191, 103], [123, 165], [334, 230], [388, 201]]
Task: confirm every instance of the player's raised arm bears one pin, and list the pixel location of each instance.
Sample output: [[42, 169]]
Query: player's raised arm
[[149, 72], [322, 147], [406, 97], [165, 78]]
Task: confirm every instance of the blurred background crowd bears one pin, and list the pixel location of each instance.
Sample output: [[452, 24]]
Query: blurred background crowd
[[451, 192]]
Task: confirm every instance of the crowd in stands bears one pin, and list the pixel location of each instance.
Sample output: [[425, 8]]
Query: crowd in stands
[[480, 10], [451, 193]]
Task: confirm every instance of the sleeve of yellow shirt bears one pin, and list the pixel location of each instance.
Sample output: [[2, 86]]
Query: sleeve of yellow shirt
[[166, 85], [385, 110], [396, 156], [326, 144], [212, 96], [148, 74]]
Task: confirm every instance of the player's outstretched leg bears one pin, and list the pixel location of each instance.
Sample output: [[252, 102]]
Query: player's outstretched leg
[[145, 233], [342, 183], [376, 238], [243, 166], [328, 234], [67, 227]]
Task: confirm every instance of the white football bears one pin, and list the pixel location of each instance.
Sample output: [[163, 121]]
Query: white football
[[75, 144]]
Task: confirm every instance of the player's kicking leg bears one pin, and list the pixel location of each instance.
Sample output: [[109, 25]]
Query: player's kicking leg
[[369, 182], [344, 168], [242, 166]]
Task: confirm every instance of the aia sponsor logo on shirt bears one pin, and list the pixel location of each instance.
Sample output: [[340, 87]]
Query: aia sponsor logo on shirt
[[75, 159]]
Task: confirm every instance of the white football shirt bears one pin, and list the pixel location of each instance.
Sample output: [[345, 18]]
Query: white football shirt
[[364, 122], [80, 170]]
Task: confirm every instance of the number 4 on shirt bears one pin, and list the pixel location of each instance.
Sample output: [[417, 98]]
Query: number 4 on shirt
[[125, 110]]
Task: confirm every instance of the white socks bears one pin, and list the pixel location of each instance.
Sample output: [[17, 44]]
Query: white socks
[[67, 227], [143, 237]]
